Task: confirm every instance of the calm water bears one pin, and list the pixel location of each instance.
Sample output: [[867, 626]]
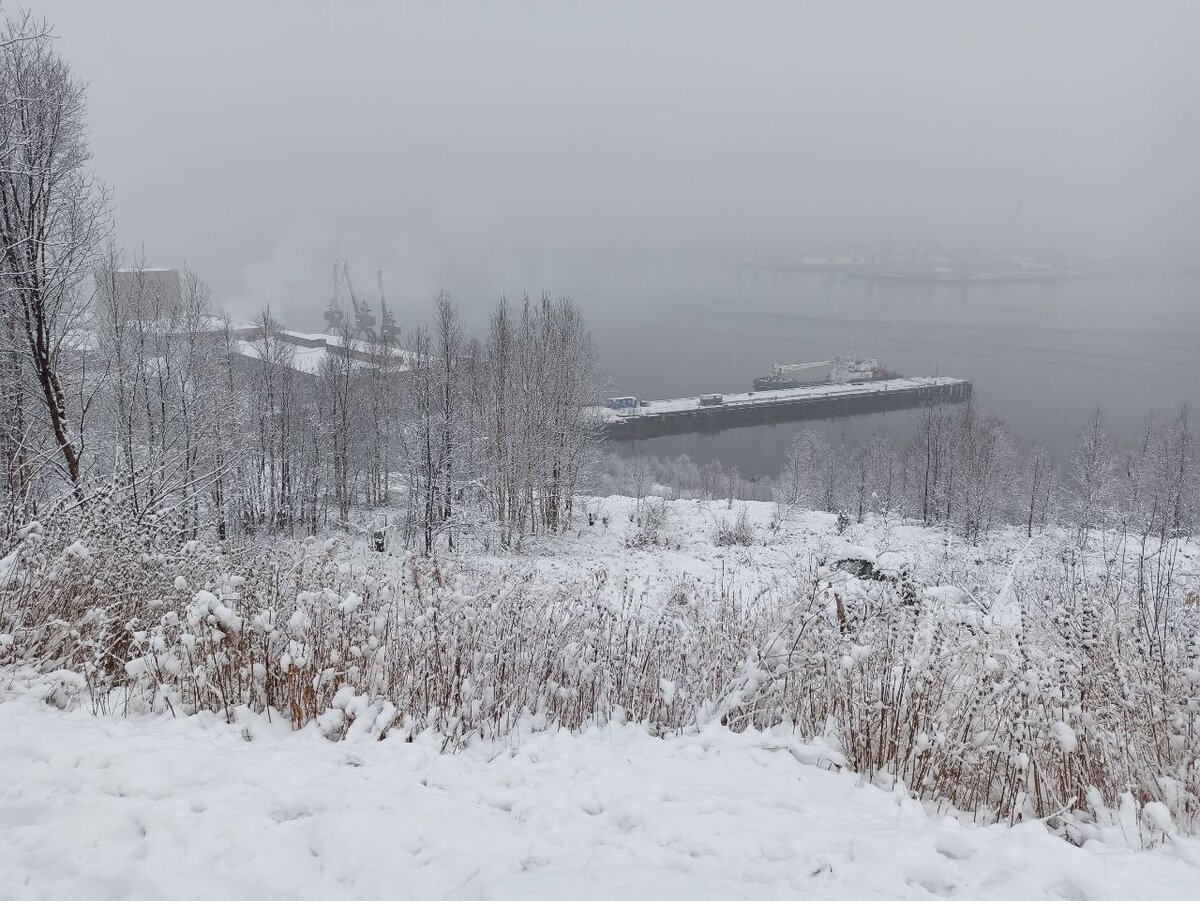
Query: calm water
[[1039, 355]]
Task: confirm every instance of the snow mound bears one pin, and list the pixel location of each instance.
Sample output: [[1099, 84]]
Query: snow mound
[[107, 808]]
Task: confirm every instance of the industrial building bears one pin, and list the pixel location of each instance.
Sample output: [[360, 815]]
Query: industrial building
[[154, 294]]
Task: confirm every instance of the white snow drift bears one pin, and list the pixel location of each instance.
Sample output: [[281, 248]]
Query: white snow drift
[[142, 808]]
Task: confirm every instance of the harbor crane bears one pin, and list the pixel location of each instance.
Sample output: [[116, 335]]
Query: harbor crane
[[335, 316], [388, 330], [364, 316]]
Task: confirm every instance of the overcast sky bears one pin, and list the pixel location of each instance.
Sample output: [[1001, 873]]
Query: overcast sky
[[492, 144]]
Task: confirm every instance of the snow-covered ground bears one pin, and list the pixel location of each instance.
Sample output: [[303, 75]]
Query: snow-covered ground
[[148, 808], [783, 555]]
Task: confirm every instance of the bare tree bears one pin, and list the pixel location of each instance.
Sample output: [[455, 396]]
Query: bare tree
[[1040, 479], [874, 476], [337, 388], [541, 435], [983, 463], [54, 219], [226, 435], [812, 476], [268, 483], [500, 399], [448, 335], [930, 458], [420, 439], [1093, 477], [380, 402], [1157, 499]]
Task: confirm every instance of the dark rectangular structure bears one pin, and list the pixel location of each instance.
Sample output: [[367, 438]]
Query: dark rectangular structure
[[679, 417]]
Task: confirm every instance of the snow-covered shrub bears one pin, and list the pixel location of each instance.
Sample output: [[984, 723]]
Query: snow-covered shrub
[[1057, 717], [1056, 699], [80, 584], [651, 525], [734, 530]]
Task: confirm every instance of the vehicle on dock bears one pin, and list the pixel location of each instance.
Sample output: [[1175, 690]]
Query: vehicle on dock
[[625, 406], [711, 400], [774, 383]]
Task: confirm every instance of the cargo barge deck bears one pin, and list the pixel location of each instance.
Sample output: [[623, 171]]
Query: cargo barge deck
[[709, 414]]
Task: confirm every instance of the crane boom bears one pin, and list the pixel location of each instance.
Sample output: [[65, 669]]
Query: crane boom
[[350, 287], [388, 330], [334, 317], [364, 317]]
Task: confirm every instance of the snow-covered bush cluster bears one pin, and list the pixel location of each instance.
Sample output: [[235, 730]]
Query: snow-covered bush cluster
[[652, 519], [1062, 696], [735, 529], [1039, 705]]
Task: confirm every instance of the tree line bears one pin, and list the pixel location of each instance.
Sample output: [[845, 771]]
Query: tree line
[[112, 376], [963, 470], [233, 429]]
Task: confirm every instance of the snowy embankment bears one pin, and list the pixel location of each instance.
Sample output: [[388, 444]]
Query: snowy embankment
[[155, 807], [678, 616]]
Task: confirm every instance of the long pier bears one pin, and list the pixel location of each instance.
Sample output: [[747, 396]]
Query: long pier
[[687, 414]]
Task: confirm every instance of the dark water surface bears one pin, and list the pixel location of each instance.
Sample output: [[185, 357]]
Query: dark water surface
[[1040, 355]]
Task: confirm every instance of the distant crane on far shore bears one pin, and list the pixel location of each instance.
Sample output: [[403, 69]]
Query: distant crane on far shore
[[364, 316], [335, 316], [388, 330], [365, 328]]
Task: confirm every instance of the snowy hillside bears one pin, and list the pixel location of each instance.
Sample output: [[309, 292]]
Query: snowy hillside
[[125, 809], [675, 699], [652, 548], [647, 553]]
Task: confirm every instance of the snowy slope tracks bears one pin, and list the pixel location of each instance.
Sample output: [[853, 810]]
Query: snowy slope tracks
[[908, 673]]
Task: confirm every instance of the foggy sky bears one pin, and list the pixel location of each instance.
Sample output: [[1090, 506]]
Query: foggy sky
[[489, 145]]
